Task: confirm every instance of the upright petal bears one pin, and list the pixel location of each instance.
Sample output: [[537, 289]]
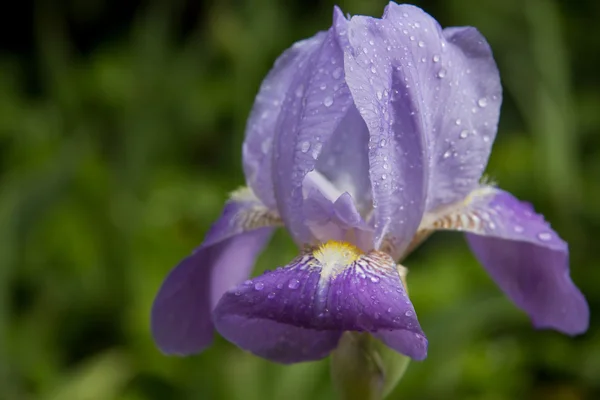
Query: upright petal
[[344, 160], [526, 258], [260, 128], [181, 314], [315, 298], [315, 103], [457, 86], [386, 89]]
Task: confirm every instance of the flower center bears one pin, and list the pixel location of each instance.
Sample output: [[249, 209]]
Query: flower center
[[334, 256]]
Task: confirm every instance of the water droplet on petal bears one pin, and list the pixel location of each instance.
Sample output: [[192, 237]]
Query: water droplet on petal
[[442, 73], [421, 43], [382, 143], [259, 286], [482, 102], [447, 154], [374, 279], [436, 58], [294, 284], [408, 313], [337, 73], [464, 134], [373, 70], [271, 295], [518, 228], [486, 138], [545, 236], [458, 121], [328, 101], [383, 177]]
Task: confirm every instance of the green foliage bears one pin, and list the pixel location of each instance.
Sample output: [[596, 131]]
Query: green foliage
[[118, 156]]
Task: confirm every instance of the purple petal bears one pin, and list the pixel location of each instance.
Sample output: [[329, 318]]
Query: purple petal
[[344, 160], [181, 314], [336, 220], [260, 128], [314, 299], [526, 258], [314, 105], [384, 85], [456, 85]]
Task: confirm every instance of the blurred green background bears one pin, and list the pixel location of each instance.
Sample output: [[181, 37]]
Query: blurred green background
[[120, 136]]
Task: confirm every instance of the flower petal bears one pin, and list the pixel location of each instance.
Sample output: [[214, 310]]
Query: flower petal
[[465, 124], [385, 87], [314, 105], [526, 258], [317, 296], [344, 160], [260, 128], [181, 314], [455, 81]]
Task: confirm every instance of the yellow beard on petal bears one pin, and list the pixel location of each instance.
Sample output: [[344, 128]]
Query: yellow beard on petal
[[335, 256]]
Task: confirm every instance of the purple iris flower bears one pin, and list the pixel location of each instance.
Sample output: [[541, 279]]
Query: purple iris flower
[[363, 140]]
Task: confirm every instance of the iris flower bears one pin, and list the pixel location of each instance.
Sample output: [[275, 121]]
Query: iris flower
[[363, 140]]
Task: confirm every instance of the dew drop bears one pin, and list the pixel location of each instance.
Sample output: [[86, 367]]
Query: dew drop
[[544, 236], [383, 177], [482, 102], [458, 121], [259, 286], [294, 284], [323, 86], [518, 228], [447, 154], [486, 138], [408, 313], [382, 143], [379, 95], [337, 73], [442, 73], [421, 44], [464, 134], [271, 295], [373, 70], [374, 279], [328, 101], [385, 166], [436, 58]]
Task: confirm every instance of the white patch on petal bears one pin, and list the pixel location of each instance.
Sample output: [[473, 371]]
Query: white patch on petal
[[255, 216]]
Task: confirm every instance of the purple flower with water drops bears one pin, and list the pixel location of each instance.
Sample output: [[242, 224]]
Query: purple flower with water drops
[[362, 141]]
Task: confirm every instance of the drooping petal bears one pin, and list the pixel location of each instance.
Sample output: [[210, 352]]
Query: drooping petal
[[386, 90], [526, 258], [260, 128], [181, 314], [315, 103], [315, 298]]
